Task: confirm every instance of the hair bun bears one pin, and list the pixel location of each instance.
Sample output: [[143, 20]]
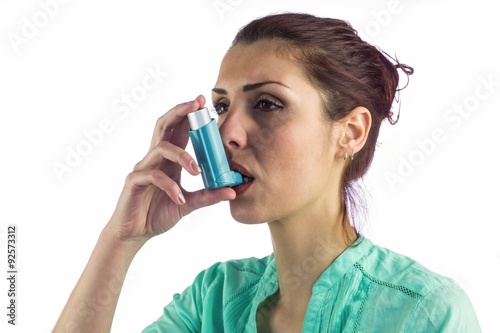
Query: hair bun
[[407, 70]]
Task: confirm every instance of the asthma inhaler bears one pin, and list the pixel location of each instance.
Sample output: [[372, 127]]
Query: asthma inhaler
[[210, 154]]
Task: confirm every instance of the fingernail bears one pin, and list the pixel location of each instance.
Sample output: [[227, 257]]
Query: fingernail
[[195, 166], [182, 199]]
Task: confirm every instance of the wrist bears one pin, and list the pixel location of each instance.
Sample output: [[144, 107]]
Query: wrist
[[112, 236]]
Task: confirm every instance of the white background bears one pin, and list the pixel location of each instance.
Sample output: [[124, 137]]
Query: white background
[[64, 77]]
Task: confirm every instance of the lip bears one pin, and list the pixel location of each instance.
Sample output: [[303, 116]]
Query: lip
[[240, 168], [240, 189]]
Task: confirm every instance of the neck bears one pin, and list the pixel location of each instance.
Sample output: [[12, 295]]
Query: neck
[[304, 246]]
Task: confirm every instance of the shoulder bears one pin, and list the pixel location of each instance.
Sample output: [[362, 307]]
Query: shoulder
[[440, 304], [205, 305], [392, 268]]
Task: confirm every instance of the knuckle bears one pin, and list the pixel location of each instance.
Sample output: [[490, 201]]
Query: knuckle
[[130, 178], [156, 175], [161, 125], [159, 121], [171, 188], [163, 145], [137, 166], [184, 156], [158, 126]]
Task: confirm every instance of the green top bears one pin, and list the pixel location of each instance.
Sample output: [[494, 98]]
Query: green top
[[366, 289]]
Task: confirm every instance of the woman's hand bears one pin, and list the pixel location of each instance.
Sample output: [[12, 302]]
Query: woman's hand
[[152, 200]]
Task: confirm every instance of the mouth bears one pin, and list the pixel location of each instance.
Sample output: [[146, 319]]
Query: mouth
[[246, 175]]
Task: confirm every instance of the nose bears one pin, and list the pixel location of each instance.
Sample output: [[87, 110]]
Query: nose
[[232, 130]]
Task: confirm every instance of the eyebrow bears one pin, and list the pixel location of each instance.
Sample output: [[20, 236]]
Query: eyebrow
[[250, 87]]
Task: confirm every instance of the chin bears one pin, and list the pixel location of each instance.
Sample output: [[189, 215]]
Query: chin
[[245, 215]]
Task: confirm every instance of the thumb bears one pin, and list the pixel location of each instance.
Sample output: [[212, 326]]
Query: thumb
[[201, 101], [204, 197]]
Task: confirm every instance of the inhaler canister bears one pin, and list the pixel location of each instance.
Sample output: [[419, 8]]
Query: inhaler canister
[[209, 151]]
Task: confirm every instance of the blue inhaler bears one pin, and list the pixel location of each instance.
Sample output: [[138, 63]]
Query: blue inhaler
[[210, 154]]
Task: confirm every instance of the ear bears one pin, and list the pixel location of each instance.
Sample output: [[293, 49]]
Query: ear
[[356, 126]]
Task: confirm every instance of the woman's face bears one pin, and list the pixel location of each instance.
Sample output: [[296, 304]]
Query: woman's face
[[274, 130]]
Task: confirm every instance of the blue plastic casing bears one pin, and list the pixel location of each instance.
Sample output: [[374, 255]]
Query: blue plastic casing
[[210, 154]]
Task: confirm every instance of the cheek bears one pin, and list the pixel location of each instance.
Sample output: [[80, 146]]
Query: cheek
[[284, 157], [291, 152], [299, 160], [265, 138]]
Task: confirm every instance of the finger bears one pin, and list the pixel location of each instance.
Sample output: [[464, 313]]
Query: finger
[[140, 180], [170, 119], [165, 124], [180, 132], [204, 197], [170, 152], [201, 100]]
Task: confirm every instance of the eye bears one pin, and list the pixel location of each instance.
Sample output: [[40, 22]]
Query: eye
[[266, 104], [220, 107]]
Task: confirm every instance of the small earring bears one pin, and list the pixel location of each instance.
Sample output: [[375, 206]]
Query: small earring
[[349, 157]]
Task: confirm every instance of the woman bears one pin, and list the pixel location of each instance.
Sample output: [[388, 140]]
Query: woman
[[300, 100]]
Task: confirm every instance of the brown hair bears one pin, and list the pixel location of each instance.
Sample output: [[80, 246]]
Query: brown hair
[[348, 71]]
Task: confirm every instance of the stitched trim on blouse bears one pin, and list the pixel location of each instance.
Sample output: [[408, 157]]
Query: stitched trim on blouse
[[403, 289], [360, 310]]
